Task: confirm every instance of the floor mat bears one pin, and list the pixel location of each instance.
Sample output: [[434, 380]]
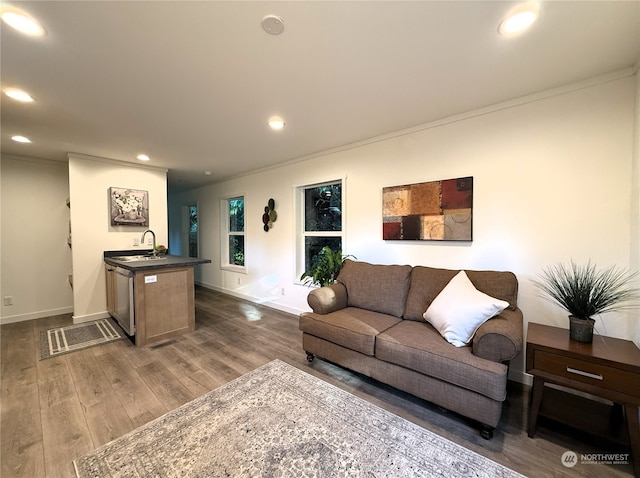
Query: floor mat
[[63, 340]]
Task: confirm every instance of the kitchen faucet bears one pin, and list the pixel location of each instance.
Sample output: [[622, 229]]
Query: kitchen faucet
[[154, 240]]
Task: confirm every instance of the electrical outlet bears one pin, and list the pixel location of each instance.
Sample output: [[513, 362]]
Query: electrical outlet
[[282, 291], [238, 280], [136, 241], [8, 300], [149, 241]]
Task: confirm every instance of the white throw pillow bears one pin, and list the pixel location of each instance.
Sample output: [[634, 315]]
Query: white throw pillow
[[460, 309]]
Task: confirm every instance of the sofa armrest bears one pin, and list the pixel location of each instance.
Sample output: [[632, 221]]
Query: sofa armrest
[[500, 339], [327, 299]]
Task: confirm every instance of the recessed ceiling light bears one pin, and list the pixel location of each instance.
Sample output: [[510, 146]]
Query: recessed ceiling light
[[20, 139], [519, 19], [143, 157], [22, 22], [18, 95], [276, 123], [207, 173]]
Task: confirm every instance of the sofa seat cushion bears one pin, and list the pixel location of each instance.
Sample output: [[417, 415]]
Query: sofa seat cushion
[[351, 327], [418, 346], [380, 288]]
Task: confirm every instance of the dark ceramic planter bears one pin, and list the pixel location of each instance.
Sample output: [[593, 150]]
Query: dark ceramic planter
[[581, 330]]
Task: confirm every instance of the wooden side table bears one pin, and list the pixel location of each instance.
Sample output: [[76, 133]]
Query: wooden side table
[[607, 368]]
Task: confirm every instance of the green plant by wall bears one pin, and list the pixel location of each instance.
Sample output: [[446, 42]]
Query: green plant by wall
[[324, 267]]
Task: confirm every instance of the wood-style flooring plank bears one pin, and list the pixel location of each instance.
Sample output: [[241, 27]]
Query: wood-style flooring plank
[[21, 445], [218, 369], [66, 436], [197, 381], [89, 379], [105, 416], [165, 385], [18, 353], [137, 399], [55, 383], [137, 356]]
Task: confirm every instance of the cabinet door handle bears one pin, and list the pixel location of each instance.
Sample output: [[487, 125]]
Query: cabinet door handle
[[597, 376]]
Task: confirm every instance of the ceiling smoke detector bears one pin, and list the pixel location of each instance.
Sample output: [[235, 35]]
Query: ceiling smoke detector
[[273, 24]]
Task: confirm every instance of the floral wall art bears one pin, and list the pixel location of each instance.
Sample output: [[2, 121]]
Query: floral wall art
[[129, 207], [431, 211]]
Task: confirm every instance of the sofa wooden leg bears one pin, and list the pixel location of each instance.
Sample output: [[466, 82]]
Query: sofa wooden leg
[[486, 432], [310, 357]]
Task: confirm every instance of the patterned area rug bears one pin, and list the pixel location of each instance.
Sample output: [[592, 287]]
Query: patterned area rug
[[278, 421], [63, 340]]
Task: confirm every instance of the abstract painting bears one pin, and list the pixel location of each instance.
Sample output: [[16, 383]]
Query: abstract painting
[[431, 211], [129, 207]]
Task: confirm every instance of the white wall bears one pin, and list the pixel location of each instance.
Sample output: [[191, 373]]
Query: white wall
[[635, 199], [552, 181], [89, 182], [36, 260]]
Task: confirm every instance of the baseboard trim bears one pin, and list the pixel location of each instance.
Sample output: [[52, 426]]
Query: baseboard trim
[[520, 377], [41, 314], [79, 319]]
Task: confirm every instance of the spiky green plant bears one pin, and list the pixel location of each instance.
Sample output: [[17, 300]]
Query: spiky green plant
[[585, 291], [324, 267]]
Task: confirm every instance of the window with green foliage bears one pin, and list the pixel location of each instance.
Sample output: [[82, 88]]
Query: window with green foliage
[[193, 230], [235, 234], [321, 221]]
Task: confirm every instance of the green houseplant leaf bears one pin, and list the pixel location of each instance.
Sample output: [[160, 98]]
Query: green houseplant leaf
[[585, 291], [324, 267]]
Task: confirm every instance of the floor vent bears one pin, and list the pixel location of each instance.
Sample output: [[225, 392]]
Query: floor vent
[[162, 344]]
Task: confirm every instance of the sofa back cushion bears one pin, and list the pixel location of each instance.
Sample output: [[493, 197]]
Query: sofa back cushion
[[381, 288], [428, 282], [502, 285]]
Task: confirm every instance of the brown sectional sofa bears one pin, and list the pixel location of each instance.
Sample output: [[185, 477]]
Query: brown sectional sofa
[[371, 321]]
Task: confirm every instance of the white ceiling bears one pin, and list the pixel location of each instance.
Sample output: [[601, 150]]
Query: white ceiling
[[192, 84]]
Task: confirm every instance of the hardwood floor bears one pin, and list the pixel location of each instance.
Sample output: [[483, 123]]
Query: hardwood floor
[[55, 410]]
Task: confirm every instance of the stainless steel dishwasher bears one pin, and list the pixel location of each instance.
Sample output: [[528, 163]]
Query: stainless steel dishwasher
[[123, 308]]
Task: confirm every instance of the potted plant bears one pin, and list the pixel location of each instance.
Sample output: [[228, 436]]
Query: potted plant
[[584, 291], [324, 267]]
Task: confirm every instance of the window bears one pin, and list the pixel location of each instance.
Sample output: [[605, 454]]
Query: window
[[321, 221], [233, 242], [193, 230]]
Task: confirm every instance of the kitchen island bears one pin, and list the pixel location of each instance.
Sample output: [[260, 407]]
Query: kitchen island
[[151, 297]]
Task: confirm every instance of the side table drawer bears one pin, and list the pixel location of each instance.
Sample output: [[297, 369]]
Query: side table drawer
[[610, 378]]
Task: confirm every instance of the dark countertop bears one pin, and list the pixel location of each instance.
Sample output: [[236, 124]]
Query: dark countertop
[[166, 262]]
